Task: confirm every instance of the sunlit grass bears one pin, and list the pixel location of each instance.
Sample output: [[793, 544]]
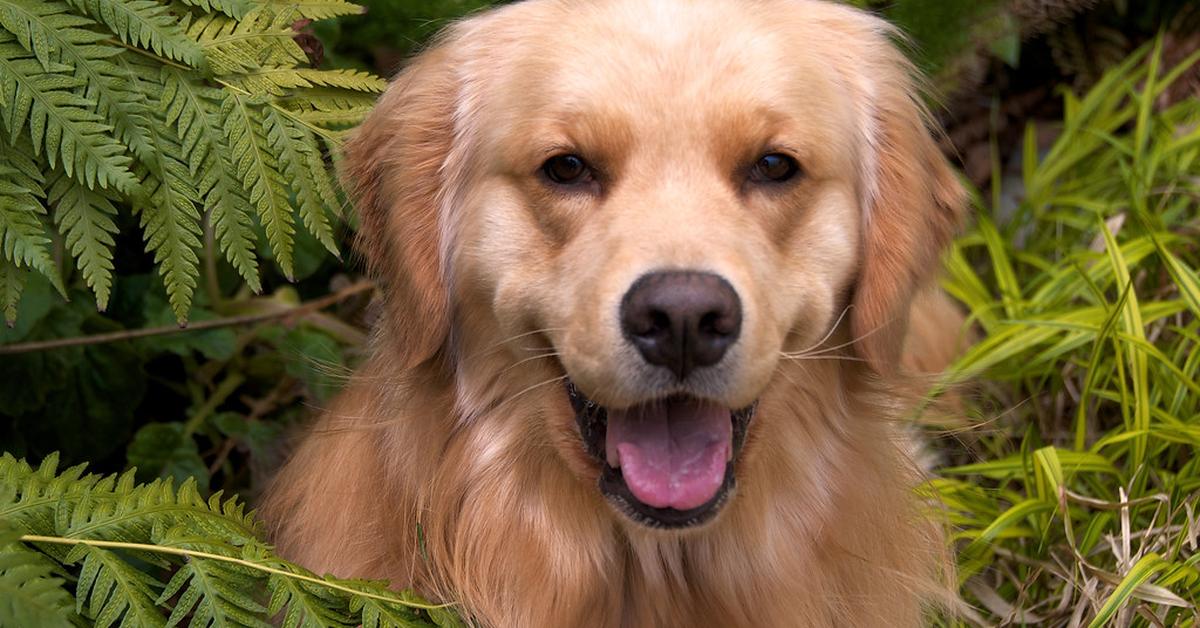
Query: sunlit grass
[[1074, 500]]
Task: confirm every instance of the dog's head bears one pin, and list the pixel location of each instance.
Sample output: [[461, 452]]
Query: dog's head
[[668, 195]]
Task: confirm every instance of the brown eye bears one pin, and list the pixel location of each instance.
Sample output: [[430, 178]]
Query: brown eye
[[566, 169], [775, 167]]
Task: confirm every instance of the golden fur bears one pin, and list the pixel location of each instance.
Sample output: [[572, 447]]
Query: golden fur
[[453, 465]]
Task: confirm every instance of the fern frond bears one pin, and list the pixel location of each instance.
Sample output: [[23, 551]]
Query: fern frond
[[119, 536], [23, 237], [328, 108], [236, 46], [279, 81], [309, 9], [170, 219], [12, 282], [110, 589], [56, 36], [211, 592], [233, 8], [189, 104], [170, 222], [31, 594], [306, 605], [85, 217], [258, 170], [300, 158], [59, 120], [146, 24]]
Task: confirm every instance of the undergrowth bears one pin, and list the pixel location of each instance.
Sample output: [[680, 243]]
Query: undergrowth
[[107, 551], [1075, 500]]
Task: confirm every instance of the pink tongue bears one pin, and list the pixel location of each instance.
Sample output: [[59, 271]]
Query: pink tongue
[[671, 453]]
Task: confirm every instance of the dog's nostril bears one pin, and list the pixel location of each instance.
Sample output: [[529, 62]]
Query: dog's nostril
[[681, 320]]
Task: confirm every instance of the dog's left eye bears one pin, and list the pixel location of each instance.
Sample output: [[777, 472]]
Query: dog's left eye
[[775, 167], [566, 169]]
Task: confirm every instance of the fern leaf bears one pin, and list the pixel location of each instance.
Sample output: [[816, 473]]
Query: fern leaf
[[56, 36], [110, 589], [12, 282], [59, 120], [235, 46], [278, 81], [169, 216], [298, 155], [170, 222], [30, 594], [306, 605], [258, 170], [85, 217], [326, 108], [309, 9], [233, 8], [146, 24], [188, 104], [211, 592], [23, 237], [374, 612]]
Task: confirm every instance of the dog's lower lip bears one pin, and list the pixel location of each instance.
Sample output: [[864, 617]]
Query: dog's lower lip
[[593, 422]]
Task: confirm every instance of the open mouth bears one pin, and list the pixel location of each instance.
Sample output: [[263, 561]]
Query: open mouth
[[667, 463]]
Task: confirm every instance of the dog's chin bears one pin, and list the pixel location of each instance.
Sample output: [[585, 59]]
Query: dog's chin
[[667, 463]]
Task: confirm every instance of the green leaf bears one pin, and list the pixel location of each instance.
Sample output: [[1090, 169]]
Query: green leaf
[[23, 238], [1141, 572], [31, 592], [189, 105], [85, 217], [258, 170], [111, 590], [144, 23], [164, 450], [300, 158], [40, 98], [12, 282]]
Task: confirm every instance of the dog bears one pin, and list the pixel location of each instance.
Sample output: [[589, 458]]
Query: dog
[[647, 271]]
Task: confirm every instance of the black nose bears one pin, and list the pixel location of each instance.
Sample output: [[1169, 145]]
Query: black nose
[[680, 319]]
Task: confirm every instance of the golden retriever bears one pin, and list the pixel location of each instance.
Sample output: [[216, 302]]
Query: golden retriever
[[647, 269]]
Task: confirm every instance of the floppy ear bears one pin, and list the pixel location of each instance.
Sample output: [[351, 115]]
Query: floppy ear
[[913, 209], [395, 169]]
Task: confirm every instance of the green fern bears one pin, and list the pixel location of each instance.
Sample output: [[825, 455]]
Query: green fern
[[85, 218], [179, 112], [99, 549], [31, 592], [146, 24]]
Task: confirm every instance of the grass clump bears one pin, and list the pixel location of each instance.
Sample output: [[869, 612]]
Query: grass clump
[[1074, 501]]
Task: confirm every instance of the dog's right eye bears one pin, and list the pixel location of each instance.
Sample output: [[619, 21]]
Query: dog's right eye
[[566, 169]]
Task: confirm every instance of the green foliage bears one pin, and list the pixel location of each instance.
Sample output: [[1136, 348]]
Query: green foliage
[[113, 552], [1087, 297], [205, 112]]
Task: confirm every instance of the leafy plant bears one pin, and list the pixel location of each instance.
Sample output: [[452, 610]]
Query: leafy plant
[[1087, 297], [200, 117], [105, 550]]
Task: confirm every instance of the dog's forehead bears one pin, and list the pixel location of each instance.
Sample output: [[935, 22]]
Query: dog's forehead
[[668, 70]]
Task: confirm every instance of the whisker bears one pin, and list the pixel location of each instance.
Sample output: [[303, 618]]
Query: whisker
[[832, 328], [802, 358], [836, 347], [542, 356], [560, 378]]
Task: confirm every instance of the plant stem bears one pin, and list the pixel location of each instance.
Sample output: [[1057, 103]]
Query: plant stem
[[231, 321], [175, 551]]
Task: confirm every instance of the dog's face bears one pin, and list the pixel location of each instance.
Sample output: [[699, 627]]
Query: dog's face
[[669, 195]]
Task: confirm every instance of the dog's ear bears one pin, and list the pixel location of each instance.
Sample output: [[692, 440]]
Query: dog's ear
[[914, 205], [395, 167]]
